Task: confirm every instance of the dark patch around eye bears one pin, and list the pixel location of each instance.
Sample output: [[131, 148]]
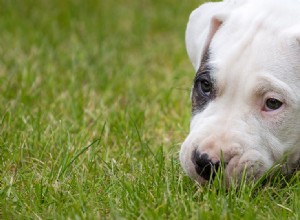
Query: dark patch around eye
[[199, 98]]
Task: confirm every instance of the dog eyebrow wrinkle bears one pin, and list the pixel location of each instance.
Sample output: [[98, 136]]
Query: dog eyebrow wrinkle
[[267, 84]]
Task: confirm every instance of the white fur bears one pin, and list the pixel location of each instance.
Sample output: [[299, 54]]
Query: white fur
[[255, 52]]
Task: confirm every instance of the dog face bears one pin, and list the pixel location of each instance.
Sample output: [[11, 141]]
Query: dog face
[[245, 95]]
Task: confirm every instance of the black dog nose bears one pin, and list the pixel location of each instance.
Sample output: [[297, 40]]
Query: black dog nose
[[204, 166]]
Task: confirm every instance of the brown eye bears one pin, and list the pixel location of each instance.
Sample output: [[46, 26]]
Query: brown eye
[[205, 86], [272, 104]]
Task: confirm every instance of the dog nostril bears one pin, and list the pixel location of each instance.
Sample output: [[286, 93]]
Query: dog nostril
[[204, 166]]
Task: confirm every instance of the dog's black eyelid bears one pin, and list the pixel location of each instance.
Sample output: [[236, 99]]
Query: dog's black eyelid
[[203, 72], [202, 75]]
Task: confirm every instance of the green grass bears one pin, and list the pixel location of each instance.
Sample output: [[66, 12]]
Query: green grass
[[94, 103]]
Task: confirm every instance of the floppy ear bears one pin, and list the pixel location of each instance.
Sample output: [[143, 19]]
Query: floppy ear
[[204, 22]]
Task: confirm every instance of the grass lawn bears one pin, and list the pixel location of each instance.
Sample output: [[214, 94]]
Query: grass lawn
[[94, 104]]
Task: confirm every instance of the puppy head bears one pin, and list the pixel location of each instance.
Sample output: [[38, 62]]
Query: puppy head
[[245, 103]]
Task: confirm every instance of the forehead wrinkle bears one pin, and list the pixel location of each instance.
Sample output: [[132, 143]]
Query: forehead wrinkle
[[232, 71], [231, 68]]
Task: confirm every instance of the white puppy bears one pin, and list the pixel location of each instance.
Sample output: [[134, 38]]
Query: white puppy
[[246, 93]]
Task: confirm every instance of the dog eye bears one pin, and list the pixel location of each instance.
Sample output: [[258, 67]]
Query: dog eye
[[205, 86], [272, 104]]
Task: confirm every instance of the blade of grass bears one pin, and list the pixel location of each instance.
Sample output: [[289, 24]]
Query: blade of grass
[[82, 151]]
